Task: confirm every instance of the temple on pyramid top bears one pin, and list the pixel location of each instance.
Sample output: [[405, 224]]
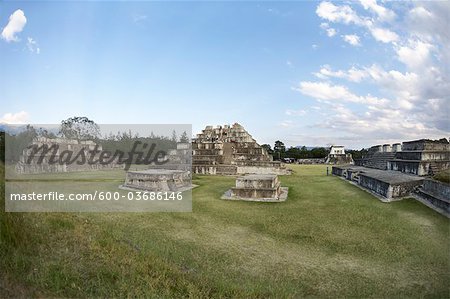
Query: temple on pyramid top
[[231, 150]]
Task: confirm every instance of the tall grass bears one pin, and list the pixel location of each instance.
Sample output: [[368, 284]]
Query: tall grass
[[329, 239]]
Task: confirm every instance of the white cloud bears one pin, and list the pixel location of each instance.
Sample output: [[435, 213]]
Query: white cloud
[[421, 13], [286, 124], [289, 64], [415, 55], [14, 118], [345, 14], [330, 31], [333, 13], [353, 74], [33, 46], [15, 25], [383, 35], [383, 13], [352, 39], [139, 18], [414, 102], [296, 112], [326, 91]]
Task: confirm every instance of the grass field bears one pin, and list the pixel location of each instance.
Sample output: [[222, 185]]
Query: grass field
[[329, 239]]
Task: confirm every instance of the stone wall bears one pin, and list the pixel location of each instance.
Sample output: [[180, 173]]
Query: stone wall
[[389, 190], [158, 180], [375, 185], [420, 157], [29, 164], [387, 184], [436, 195], [426, 144]]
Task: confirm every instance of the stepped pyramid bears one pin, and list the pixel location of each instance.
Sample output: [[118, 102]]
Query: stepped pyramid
[[422, 157], [231, 150]]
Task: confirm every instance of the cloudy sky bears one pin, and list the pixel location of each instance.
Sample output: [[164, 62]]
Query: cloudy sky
[[308, 73]]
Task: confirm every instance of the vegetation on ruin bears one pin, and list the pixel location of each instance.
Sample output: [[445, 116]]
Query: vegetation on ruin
[[329, 239], [443, 176]]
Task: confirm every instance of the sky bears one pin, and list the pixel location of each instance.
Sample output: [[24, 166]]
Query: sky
[[315, 73]]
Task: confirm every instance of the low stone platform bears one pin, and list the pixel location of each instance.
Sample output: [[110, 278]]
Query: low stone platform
[[386, 185], [257, 187], [158, 180], [435, 195]]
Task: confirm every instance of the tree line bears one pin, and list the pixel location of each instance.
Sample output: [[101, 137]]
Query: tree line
[[82, 128], [279, 152]]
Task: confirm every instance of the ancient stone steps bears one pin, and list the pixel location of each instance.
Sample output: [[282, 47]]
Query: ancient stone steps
[[379, 160]]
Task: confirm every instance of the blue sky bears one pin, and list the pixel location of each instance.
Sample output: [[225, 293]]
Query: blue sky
[[307, 73]]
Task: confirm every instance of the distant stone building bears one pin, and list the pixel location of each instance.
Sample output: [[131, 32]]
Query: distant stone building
[[59, 151], [231, 150], [337, 155], [336, 150]]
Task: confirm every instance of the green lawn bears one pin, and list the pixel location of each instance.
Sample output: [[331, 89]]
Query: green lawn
[[329, 239]]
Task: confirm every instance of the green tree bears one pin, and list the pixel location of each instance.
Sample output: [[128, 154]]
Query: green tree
[[80, 128], [17, 143], [184, 138], [45, 133], [319, 152], [2, 146], [279, 150], [268, 148], [293, 152], [174, 136], [304, 153]]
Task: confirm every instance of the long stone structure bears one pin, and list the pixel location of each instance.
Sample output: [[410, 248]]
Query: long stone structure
[[420, 157], [40, 163], [231, 150], [393, 172], [388, 185]]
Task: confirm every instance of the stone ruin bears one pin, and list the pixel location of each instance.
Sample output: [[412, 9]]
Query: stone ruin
[[379, 155], [34, 166], [386, 185], [337, 155], [179, 158], [158, 180], [173, 175], [257, 187], [421, 157], [393, 172], [231, 150]]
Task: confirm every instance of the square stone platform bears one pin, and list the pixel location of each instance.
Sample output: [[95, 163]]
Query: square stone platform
[[257, 187], [158, 180]]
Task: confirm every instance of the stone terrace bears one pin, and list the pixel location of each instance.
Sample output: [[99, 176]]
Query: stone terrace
[[387, 185]]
